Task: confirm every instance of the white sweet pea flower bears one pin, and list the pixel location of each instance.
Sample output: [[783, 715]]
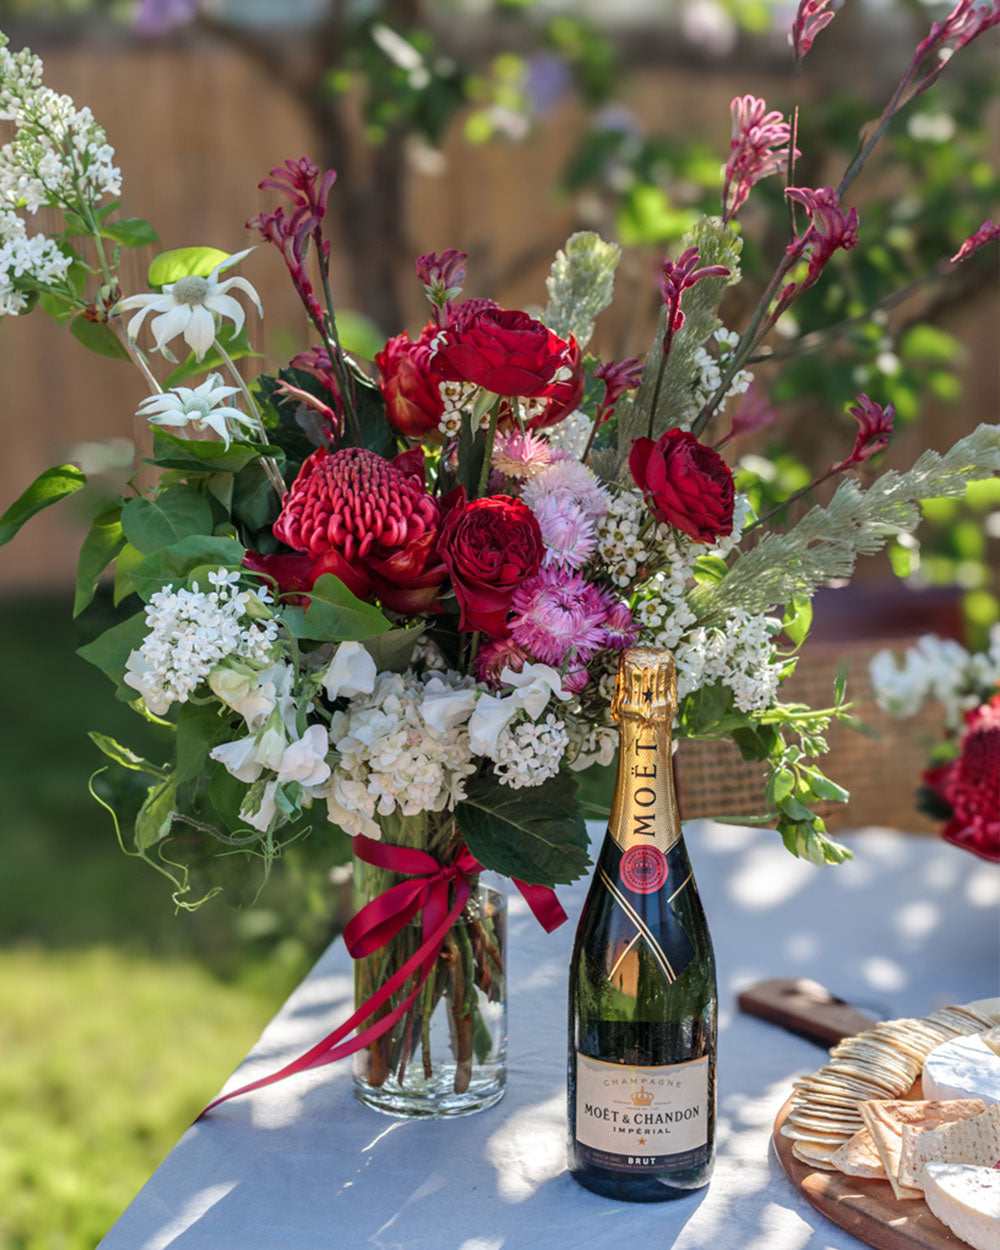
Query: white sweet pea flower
[[196, 406], [271, 743], [189, 306], [535, 684], [305, 761], [141, 676], [231, 686], [444, 708], [533, 687], [352, 671], [239, 758], [261, 819]]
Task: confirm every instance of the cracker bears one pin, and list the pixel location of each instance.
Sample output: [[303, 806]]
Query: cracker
[[973, 1139], [859, 1157], [887, 1143]]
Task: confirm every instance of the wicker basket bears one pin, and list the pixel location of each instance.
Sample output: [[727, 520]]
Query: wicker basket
[[882, 771]]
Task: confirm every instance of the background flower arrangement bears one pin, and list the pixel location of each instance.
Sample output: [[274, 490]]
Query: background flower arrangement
[[962, 785], [519, 512]]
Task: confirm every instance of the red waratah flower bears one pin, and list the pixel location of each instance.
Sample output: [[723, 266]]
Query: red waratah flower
[[370, 522], [685, 483], [505, 351], [970, 785], [410, 384]]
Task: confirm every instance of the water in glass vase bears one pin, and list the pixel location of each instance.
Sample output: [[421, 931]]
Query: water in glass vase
[[446, 1054], [642, 997]]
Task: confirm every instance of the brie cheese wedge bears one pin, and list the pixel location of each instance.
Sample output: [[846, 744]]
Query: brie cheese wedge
[[965, 1067], [967, 1199]]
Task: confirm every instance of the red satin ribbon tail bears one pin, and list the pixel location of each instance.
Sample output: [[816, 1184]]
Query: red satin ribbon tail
[[545, 907], [333, 1047]]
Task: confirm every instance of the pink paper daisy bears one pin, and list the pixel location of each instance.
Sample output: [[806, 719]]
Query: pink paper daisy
[[556, 615], [520, 455], [496, 655], [567, 532]]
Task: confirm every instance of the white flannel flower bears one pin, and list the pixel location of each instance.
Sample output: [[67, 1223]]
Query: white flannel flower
[[189, 306], [197, 406]]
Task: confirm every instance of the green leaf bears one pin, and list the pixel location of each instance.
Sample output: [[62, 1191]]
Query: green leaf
[[237, 348], [710, 569], [171, 452], [824, 788], [123, 756], [58, 307], [783, 783], [796, 810], [255, 503], [130, 232], [129, 559], [333, 615], [172, 565], [156, 815], [797, 619], [48, 488], [102, 544], [393, 650], [840, 685], [376, 432], [358, 334], [98, 337], [199, 728], [471, 451], [173, 514], [184, 262], [535, 834], [110, 651], [702, 710]]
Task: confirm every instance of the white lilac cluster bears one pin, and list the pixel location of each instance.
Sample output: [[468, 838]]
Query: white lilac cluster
[[590, 743], [389, 758], [664, 610], [569, 504], [939, 669], [529, 752], [35, 259], [191, 632], [621, 545], [59, 155], [570, 434], [710, 370], [740, 654]]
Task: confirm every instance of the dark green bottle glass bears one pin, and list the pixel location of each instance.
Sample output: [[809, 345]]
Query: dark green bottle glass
[[642, 996]]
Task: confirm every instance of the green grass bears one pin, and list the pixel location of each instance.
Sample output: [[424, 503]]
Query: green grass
[[119, 1018]]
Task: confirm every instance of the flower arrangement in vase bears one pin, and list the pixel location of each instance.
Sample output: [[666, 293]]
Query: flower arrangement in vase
[[392, 597]]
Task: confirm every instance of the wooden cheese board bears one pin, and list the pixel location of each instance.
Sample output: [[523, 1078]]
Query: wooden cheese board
[[867, 1209]]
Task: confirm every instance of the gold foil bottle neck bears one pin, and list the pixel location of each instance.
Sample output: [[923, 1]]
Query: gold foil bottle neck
[[646, 685]]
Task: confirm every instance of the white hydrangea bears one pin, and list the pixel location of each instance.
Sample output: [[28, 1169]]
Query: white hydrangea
[[710, 369], [190, 633], [936, 668], [388, 758], [529, 752]]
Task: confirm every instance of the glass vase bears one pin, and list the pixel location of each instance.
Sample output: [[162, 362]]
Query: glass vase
[[446, 1055]]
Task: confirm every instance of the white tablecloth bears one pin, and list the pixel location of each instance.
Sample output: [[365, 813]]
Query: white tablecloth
[[908, 925]]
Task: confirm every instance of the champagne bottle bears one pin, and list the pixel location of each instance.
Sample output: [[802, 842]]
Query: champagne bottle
[[642, 998]]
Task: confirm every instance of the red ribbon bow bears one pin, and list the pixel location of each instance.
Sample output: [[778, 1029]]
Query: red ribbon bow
[[427, 891]]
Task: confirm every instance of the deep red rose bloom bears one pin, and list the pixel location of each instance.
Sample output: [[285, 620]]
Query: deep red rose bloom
[[490, 547], [685, 483], [370, 522], [506, 352], [970, 785], [409, 383]]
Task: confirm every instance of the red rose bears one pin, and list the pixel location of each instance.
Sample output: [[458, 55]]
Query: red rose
[[506, 352], [409, 384], [685, 484], [370, 522], [490, 546], [970, 785]]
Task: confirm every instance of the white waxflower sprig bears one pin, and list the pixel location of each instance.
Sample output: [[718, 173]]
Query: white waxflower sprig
[[200, 407], [190, 306]]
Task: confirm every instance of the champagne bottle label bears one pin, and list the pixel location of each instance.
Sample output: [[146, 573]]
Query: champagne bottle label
[[654, 923], [642, 1119]]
